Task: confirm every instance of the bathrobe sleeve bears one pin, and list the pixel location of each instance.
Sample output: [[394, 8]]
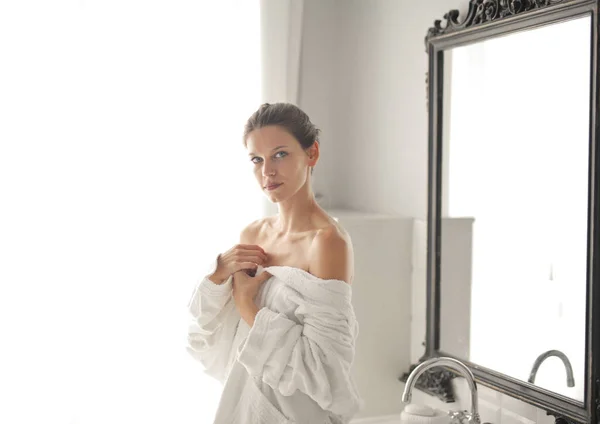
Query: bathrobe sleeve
[[313, 357], [214, 321]]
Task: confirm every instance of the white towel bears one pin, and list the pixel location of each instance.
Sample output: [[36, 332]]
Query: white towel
[[294, 364]]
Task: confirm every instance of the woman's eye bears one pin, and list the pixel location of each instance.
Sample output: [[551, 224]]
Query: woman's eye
[[282, 155], [255, 159]]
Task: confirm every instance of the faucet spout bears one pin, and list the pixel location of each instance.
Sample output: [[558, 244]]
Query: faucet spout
[[454, 364], [540, 359]]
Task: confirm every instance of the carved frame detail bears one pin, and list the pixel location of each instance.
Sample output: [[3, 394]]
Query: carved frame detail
[[484, 11]]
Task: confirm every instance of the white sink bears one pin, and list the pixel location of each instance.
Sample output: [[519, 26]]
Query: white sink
[[388, 419], [395, 419]]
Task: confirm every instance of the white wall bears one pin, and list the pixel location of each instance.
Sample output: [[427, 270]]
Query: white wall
[[363, 82], [361, 61], [316, 94]]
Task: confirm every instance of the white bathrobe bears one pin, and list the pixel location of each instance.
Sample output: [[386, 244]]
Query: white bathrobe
[[293, 365]]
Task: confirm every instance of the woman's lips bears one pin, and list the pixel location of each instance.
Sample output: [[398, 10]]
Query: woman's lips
[[272, 187]]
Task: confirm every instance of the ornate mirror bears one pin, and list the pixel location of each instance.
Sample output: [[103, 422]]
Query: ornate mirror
[[513, 263]]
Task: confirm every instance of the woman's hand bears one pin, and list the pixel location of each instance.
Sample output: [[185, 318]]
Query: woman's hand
[[245, 289], [245, 257]]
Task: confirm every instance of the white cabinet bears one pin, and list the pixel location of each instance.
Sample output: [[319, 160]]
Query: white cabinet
[[381, 296]]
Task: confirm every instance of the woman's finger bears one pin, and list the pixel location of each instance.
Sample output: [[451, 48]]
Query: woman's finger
[[263, 277], [252, 255], [245, 265], [259, 260], [250, 247]]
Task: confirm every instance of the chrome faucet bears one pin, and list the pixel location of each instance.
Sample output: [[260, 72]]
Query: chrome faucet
[[457, 416], [546, 355]]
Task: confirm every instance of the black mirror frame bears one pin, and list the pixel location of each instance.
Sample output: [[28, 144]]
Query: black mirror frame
[[487, 19]]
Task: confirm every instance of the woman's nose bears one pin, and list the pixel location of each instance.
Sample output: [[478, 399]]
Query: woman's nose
[[268, 170]]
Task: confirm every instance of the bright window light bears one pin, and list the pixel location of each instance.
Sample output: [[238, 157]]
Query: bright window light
[[122, 174]]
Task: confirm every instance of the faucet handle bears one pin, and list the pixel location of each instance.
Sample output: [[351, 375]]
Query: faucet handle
[[459, 417], [462, 417]]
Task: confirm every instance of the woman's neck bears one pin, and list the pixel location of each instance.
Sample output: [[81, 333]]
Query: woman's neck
[[296, 214]]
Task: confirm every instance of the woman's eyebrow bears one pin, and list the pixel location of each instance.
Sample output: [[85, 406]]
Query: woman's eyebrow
[[278, 147]]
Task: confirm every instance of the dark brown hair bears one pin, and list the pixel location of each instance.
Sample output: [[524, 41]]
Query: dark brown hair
[[287, 116]]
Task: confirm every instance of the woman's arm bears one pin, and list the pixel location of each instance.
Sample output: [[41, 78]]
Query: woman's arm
[[213, 325], [214, 319], [314, 357]]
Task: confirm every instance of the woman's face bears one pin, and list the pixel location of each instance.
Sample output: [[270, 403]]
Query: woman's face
[[281, 165]]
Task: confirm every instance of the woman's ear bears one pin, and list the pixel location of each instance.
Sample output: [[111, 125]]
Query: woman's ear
[[313, 154]]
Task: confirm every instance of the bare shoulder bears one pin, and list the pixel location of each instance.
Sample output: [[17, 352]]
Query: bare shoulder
[[331, 255], [251, 232]]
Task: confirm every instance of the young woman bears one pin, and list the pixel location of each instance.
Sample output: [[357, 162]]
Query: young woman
[[273, 320]]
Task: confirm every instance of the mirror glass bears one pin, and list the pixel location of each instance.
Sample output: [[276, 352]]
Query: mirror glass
[[515, 204]]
